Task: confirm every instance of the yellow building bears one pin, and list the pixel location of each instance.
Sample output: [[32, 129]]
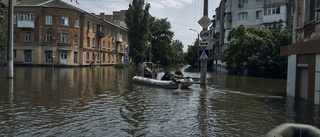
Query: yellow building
[[52, 32]]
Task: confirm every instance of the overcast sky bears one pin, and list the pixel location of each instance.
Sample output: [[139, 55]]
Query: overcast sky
[[182, 14]]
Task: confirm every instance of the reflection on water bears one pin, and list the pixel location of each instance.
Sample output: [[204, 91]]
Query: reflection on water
[[103, 101]]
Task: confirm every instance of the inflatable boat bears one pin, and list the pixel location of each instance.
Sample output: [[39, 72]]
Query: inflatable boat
[[183, 83], [294, 130], [155, 80]]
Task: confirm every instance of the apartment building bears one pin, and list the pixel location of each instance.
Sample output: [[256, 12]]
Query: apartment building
[[252, 13], [52, 32], [303, 80]]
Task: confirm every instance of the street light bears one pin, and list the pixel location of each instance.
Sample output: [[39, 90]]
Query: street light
[[198, 47]]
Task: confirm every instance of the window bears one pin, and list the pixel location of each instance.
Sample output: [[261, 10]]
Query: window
[[98, 43], [27, 37], [109, 58], [259, 14], [64, 37], [93, 28], [48, 57], [25, 17], [48, 37], [14, 53], [88, 56], [108, 45], [104, 44], [243, 16], [64, 20], [112, 58], [49, 20], [75, 57], [88, 41], [104, 57], [93, 56], [109, 33], [14, 36], [278, 10], [76, 23], [76, 39], [27, 56], [93, 42], [113, 35], [272, 10], [88, 27], [112, 46], [14, 19], [98, 57]]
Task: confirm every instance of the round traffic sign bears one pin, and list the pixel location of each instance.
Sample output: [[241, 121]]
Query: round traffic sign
[[205, 34]]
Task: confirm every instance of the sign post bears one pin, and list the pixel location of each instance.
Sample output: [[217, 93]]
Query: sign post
[[205, 35]]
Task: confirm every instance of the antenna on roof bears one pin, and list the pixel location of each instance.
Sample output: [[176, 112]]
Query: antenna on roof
[[76, 1]]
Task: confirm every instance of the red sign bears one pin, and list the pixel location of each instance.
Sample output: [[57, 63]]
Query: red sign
[[205, 34]]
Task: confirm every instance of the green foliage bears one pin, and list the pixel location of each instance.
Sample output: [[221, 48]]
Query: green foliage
[[138, 33], [3, 34], [177, 55], [161, 40], [257, 51], [191, 56]]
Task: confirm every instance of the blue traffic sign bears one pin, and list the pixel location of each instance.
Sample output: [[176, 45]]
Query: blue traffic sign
[[203, 54]]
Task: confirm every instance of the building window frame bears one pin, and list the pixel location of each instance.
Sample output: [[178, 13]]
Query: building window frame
[[75, 57], [48, 56], [48, 19], [76, 23], [93, 42], [64, 20], [88, 56], [242, 16], [75, 39], [27, 37], [88, 41], [64, 38], [48, 37]]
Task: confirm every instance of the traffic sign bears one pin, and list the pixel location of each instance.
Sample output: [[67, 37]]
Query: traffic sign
[[204, 34], [203, 54], [203, 43], [205, 22]]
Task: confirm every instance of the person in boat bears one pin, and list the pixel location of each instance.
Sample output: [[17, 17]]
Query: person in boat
[[178, 72], [166, 76], [154, 71], [147, 73]]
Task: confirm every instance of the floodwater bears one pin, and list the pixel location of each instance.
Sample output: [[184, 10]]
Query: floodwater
[[103, 101]]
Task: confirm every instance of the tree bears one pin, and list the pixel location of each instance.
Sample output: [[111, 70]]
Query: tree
[[161, 38], [257, 51], [191, 56], [3, 34], [178, 51], [138, 33]]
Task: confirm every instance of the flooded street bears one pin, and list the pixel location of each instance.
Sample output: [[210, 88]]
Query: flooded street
[[104, 101]]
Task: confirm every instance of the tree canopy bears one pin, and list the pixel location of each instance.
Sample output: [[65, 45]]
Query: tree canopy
[[256, 51], [137, 22], [3, 34], [161, 37], [191, 56]]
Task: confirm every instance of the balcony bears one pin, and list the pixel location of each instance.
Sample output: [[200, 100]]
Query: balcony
[[101, 34], [25, 20], [119, 37]]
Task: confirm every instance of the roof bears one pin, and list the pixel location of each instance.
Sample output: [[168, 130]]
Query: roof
[[53, 4], [45, 3]]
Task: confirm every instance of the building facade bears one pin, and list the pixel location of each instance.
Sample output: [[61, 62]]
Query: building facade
[[52, 32], [303, 80], [252, 13]]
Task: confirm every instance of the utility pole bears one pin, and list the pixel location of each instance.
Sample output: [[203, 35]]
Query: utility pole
[[10, 42], [203, 71]]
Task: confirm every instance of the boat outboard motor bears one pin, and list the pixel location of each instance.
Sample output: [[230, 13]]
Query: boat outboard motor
[[147, 73]]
